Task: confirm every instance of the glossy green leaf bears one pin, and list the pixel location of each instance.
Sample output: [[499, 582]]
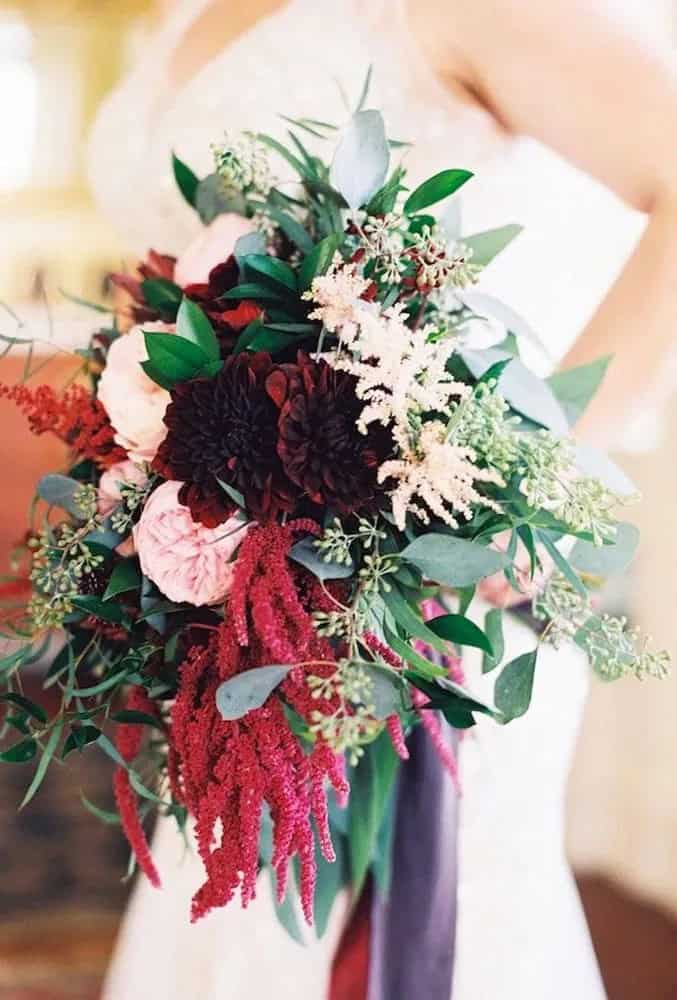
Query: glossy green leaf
[[562, 563], [26, 705], [174, 358], [493, 626], [272, 270], [460, 630], [606, 560], [453, 562], [514, 686], [126, 576], [78, 738], [249, 690], [409, 619], [163, 295], [422, 666], [361, 159], [319, 259], [292, 229], [105, 610], [253, 290], [134, 718], [20, 753], [187, 182], [192, 325], [436, 189]]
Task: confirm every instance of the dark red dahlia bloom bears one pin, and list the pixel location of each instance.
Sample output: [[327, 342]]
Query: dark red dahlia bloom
[[227, 318], [225, 429], [320, 447]]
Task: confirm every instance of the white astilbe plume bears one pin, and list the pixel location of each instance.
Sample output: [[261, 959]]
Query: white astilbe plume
[[436, 477], [399, 371], [337, 297]]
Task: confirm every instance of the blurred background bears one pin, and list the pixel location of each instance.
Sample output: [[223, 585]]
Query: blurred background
[[60, 889]]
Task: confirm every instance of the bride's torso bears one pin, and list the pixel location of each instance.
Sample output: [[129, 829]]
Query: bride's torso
[[297, 62]]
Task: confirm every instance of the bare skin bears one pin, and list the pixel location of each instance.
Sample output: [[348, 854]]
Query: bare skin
[[571, 74]]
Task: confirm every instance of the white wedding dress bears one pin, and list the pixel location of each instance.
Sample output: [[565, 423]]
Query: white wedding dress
[[521, 933]]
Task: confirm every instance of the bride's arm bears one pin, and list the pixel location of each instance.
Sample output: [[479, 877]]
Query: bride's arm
[[576, 76]]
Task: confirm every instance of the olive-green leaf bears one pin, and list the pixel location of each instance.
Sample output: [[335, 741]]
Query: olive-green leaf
[[318, 260], [20, 753], [488, 244]]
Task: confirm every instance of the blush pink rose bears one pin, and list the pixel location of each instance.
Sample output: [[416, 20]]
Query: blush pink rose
[[187, 561], [110, 496], [134, 403], [109, 484], [214, 244]]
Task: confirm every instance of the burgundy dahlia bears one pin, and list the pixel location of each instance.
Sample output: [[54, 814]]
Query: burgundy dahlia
[[225, 429], [228, 318], [320, 447]]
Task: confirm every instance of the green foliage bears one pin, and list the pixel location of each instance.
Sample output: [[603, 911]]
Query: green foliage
[[435, 189], [575, 387], [493, 627], [460, 630], [371, 783], [249, 690], [514, 686], [452, 562], [187, 182]]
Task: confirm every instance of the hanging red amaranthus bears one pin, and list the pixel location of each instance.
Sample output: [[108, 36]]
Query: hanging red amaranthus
[[225, 771], [74, 416], [128, 739]]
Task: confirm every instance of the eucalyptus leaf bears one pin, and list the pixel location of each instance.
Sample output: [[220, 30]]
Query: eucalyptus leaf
[[575, 387], [60, 491], [527, 394], [361, 159], [492, 308], [453, 562], [409, 620], [250, 243], [249, 690], [597, 464], [514, 686], [488, 244], [211, 200], [387, 695], [606, 560], [307, 554]]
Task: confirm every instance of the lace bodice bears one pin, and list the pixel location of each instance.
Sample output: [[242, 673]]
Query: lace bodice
[[297, 62]]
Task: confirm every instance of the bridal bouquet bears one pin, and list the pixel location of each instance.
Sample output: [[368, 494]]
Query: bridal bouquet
[[288, 478]]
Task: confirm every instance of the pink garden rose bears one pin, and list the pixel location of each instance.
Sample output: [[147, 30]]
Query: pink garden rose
[[187, 561], [109, 484], [214, 244], [134, 403]]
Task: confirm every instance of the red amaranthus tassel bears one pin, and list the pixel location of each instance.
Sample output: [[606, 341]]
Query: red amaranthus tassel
[[224, 771], [128, 740], [75, 416]]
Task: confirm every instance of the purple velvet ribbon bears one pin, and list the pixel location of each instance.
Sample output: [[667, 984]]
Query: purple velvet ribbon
[[413, 931]]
